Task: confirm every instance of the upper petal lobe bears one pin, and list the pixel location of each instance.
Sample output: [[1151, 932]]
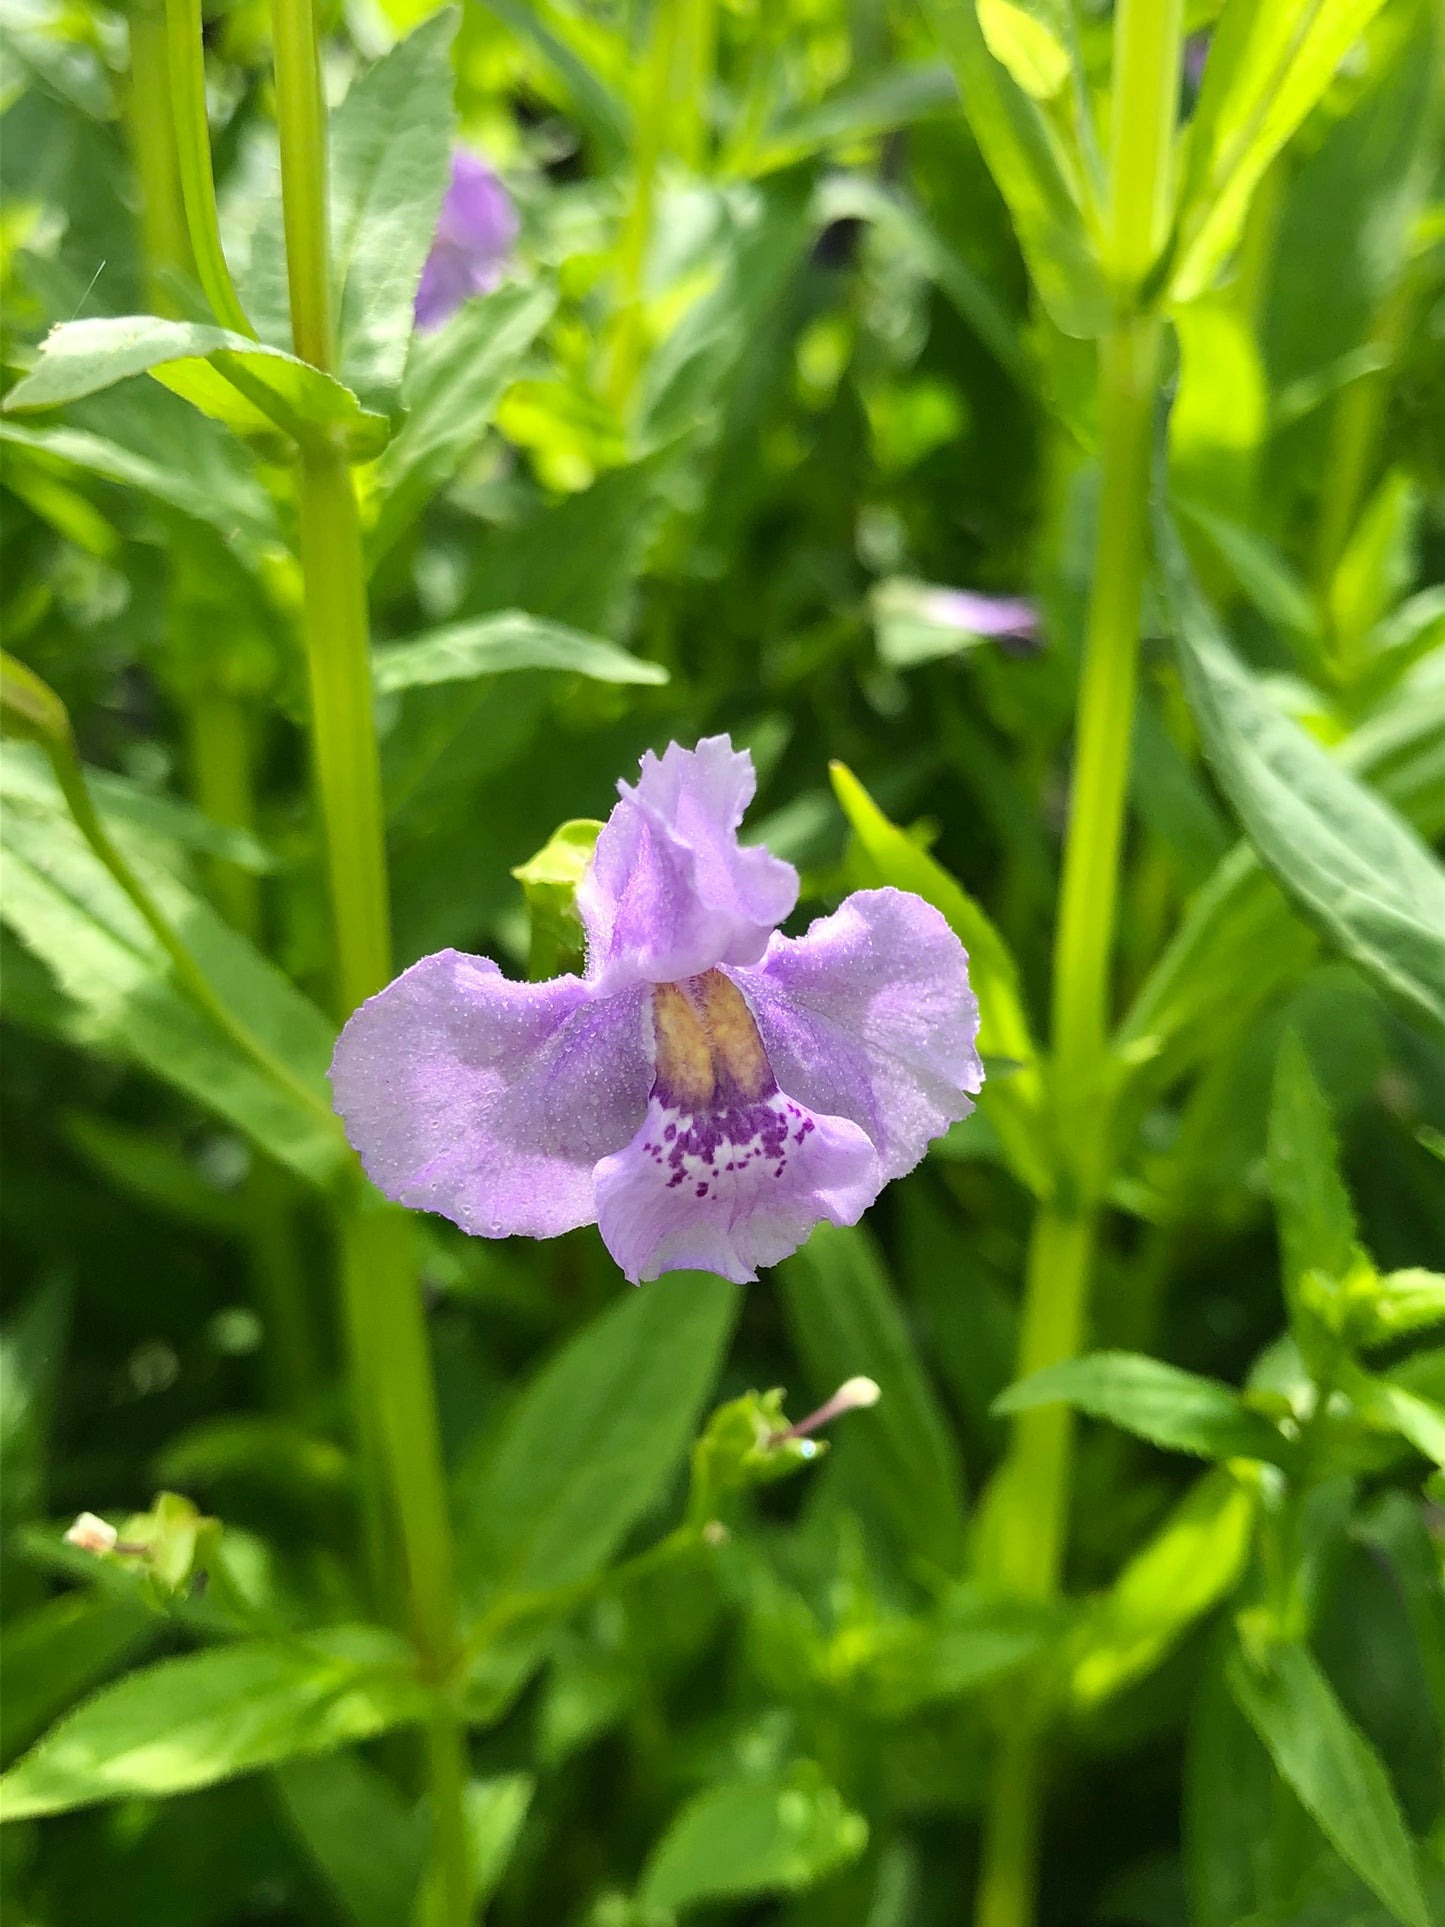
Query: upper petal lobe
[[870, 1017], [491, 1101], [670, 892]]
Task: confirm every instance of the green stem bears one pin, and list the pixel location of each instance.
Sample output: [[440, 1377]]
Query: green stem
[[162, 215], [1028, 1512], [193, 148], [391, 1362], [657, 111]]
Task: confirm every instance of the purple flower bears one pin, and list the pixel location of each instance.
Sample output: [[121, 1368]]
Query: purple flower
[[980, 615], [474, 236], [710, 1089]]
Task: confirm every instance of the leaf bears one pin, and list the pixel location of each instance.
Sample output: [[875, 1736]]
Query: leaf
[[1395, 1408], [189, 1722], [1175, 1409], [899, 1457], [254, 389], [886, 855], [1220, 414], [1026, 39], [455, 377], [1269, 63], [1034, 176], [368, 1846], [1316, 1220], [854, 113], [1351, 865], [53, 1655], [68, 910], [32, 1358], [1192, 1562], [140, 437], [596, 1440], [492, 644], [496, 1809], [1401, 1302], [778, 1834], [1333, 1769], [969, 1640], [1262, 574], [842, 197], [390, 161], [600, 107]]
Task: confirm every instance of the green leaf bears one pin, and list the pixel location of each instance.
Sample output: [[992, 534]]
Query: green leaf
[[1350, 864], [908, 227], [56, 1653], [1262, 574], [254, 389], [68, 910], [1269, 63], [549, 882], [898, 1458], [1193, 1561], [1028, 40], [1401, 1302], [1316, 1220], [140, 437], [571, 50], [970, 1639], [1035, 177], [1395, 1408], [596, 1440], [884, 854], [1333, 1769], [390, 161], [854, 113], [455, 377], [189, 1722], [32, 1357], [492, 644], [779, 1834], [368, 1846], [1178, 1410], [1240, 943]]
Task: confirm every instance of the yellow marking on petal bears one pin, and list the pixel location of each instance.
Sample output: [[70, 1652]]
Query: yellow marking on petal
[[684, 1062], [737, 1050]]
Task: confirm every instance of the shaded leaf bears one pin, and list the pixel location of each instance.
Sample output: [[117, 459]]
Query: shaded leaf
[[1316, 1220], [773, 1835], [1333, 1769]]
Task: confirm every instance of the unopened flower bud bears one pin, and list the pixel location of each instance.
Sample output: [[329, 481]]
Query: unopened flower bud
[[92, 1534]]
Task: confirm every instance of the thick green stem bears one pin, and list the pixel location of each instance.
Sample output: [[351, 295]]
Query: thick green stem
[[162, 216], [1028, 1512], [193, 148], [391, 1361]]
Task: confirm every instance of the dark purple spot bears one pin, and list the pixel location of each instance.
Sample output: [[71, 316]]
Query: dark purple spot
[[702, 1190]]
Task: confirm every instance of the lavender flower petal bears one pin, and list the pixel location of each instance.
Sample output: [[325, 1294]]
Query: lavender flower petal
[[475, 234], [980, 615], [671, 892], [490, 1101], [730, 1191], [870, 1017]]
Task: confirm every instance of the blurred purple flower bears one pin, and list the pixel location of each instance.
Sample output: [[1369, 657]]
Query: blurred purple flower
[[980, 615], [710, 1089], [475, 234]]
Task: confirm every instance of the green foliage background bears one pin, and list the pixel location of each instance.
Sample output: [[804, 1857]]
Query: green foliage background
[[773, 356]]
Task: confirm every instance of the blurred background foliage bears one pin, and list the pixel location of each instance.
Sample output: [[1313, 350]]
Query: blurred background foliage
[[720, 445]]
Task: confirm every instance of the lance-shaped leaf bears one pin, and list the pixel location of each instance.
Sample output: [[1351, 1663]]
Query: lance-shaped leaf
[[189, 1722], [390, 158], [1316, 1220], [492, 644], [1036, 177], [883, 854], [1270, 61], [1347, 861], [254, 389], [1332, 1768], [1176, 1409]]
